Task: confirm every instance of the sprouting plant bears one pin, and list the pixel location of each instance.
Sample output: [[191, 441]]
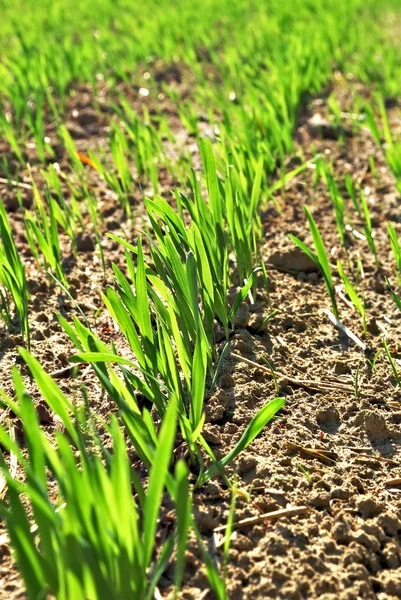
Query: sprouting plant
[[8, 132], [353, 295], [229, 530], [305, 473], [267, 318], [259, 421], [396, 298], [372, 363], [43, 235], [12, 278], [69, 553], [395, 246], [352, 193], [391, 361], [320, 258], [339, 208], [392, 145], [373, 168], [357, 386], [219, 366], [368, 226], [335, 109], [276, 381], [371, 122]]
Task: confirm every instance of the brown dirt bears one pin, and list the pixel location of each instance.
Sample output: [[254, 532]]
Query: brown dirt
[[348, 545]]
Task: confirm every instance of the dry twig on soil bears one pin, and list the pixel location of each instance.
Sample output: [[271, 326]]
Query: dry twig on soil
[[272, 516]]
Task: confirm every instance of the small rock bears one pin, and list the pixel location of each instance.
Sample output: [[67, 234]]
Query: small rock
[[342, 533], [300, 326], [320, 500], [279, 577], [357, 483], [328, 416], [373, 328], [292, 259], [243, 342], [368, 507], [241, 317], [87, 117], [257, 322], [44, 414], [355, 554], [230, 428], [369, 541], [76, 131], [217, 406], [390, 524], [375, 425], [396, 417], [226, 382], [320, 127], [246, 464], [206, 521], [211, 433], [342, 368], [391, 555], [371, 528], [84, 242], [379, 285], [339, 494], [113, 224], [219, 333], [212, 489], [10, 200], [288, 323], [42, 318], [243, 543], [357, 572], [38, 335]]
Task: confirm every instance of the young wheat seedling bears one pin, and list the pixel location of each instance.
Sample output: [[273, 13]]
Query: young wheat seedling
[[320, 258]]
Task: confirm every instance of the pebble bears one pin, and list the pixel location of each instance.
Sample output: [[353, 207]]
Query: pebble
[[241, 317], [246, 464], [341, 533], [391, 554], [87, 117], [84, 242], [375, 425], [390, 524], [328, 415], [44, 414], [320, 127], [368, 507], [342, 368], [227, 382], [211, 433], [357, 483], [369, 541], [292, 259], [339, 493], [38, 335], [320, 500], [379, 286]]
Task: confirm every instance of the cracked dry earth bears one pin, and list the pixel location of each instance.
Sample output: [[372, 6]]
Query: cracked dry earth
[[329, 450]]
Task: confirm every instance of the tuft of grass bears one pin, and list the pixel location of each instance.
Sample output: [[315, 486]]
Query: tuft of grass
[[319, 257], [68, 552], [13, 279], [353, 295], [391, 361]]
